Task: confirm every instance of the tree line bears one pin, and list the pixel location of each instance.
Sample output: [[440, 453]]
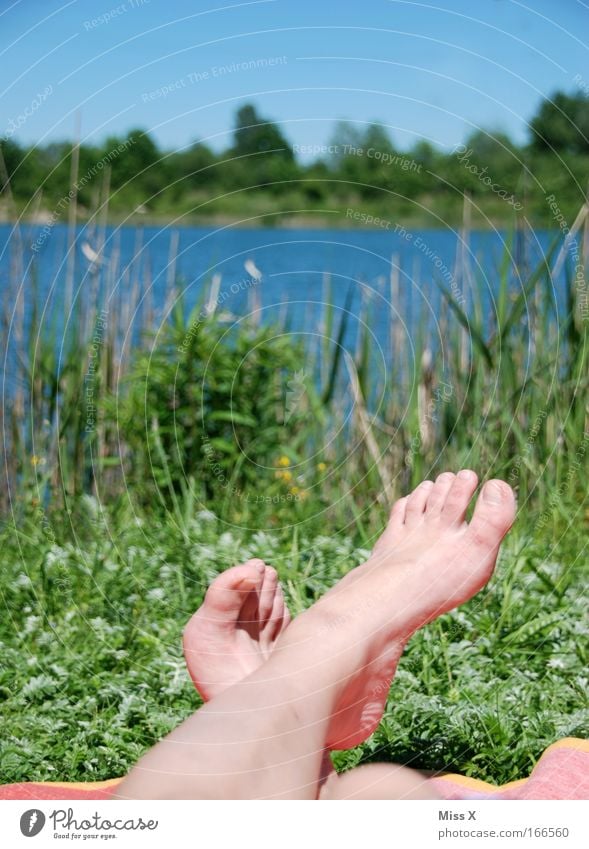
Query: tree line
[[262, 174]]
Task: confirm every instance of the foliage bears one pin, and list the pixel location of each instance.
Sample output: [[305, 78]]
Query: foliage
[[562, 124], [361, 166], [206, 407]]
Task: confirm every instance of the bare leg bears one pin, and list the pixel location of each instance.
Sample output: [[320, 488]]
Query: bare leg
[[264, 737], [378, 781]]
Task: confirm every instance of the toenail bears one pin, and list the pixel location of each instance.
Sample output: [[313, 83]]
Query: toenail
[[493, 492], [465, 474], [260, 567]]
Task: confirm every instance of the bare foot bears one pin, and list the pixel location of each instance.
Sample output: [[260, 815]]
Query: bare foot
[[428, 561], [235, 629]]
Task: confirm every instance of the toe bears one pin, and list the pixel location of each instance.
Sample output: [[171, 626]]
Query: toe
[[275, 623], [437, 497], [459, 495], [494, 514], [229, 591], [267, 595], [416, 503], [397, 517]]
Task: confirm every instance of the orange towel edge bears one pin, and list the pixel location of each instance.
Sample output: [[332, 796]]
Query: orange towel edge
[[462, 780], [476, 783]]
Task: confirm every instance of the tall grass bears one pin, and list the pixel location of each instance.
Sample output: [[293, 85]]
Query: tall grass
[[117, 400]]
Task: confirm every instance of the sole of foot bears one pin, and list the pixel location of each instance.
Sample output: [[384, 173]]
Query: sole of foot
[[235, 629]]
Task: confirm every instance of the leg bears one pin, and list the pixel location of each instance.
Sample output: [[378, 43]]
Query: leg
[[377, 781], [264, 737]]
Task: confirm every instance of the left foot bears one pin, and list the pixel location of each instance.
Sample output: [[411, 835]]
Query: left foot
[[235, 629]]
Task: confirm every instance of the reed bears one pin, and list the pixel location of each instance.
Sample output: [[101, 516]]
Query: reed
[[501, 387]]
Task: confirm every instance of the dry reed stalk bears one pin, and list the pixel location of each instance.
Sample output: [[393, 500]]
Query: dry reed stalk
[[462, 273], [213, 299], [72, 219], [367, 434], [425, 401], [254, 293], [15, 290], [147, 297], [171, 293], [396, 330], [586, 236], [577, 224]]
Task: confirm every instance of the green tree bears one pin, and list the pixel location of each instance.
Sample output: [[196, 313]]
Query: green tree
[[139, 162], [12, 156], [254, 134], [562, 123], [192, 168]]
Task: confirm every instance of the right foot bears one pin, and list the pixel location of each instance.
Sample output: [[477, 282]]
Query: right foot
[[428, 561]]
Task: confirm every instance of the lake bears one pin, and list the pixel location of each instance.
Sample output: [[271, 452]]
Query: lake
[[294, 265]]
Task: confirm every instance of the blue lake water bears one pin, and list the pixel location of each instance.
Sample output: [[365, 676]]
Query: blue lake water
[[294, 266]]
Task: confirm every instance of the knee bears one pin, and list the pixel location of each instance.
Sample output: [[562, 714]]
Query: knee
[[378, 781]]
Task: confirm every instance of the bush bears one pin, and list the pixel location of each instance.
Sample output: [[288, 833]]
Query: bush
[[206, 409]]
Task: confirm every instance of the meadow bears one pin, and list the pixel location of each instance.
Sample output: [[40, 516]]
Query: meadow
[[137, 468]]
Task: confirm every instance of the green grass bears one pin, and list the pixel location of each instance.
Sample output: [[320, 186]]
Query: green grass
[[92, 672], [107, 542]]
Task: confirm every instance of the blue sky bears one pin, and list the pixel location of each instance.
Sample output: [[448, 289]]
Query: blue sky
[[425, 70]]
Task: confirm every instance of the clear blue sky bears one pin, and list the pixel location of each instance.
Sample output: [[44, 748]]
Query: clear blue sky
[[425, 70]]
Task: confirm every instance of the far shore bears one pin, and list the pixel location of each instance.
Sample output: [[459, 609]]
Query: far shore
[[332, 220]]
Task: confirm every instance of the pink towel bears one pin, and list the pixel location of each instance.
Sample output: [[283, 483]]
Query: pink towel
[[561, 773]]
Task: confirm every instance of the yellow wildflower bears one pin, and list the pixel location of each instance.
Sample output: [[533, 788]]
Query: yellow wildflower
[[321, 467], [284, 461]]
